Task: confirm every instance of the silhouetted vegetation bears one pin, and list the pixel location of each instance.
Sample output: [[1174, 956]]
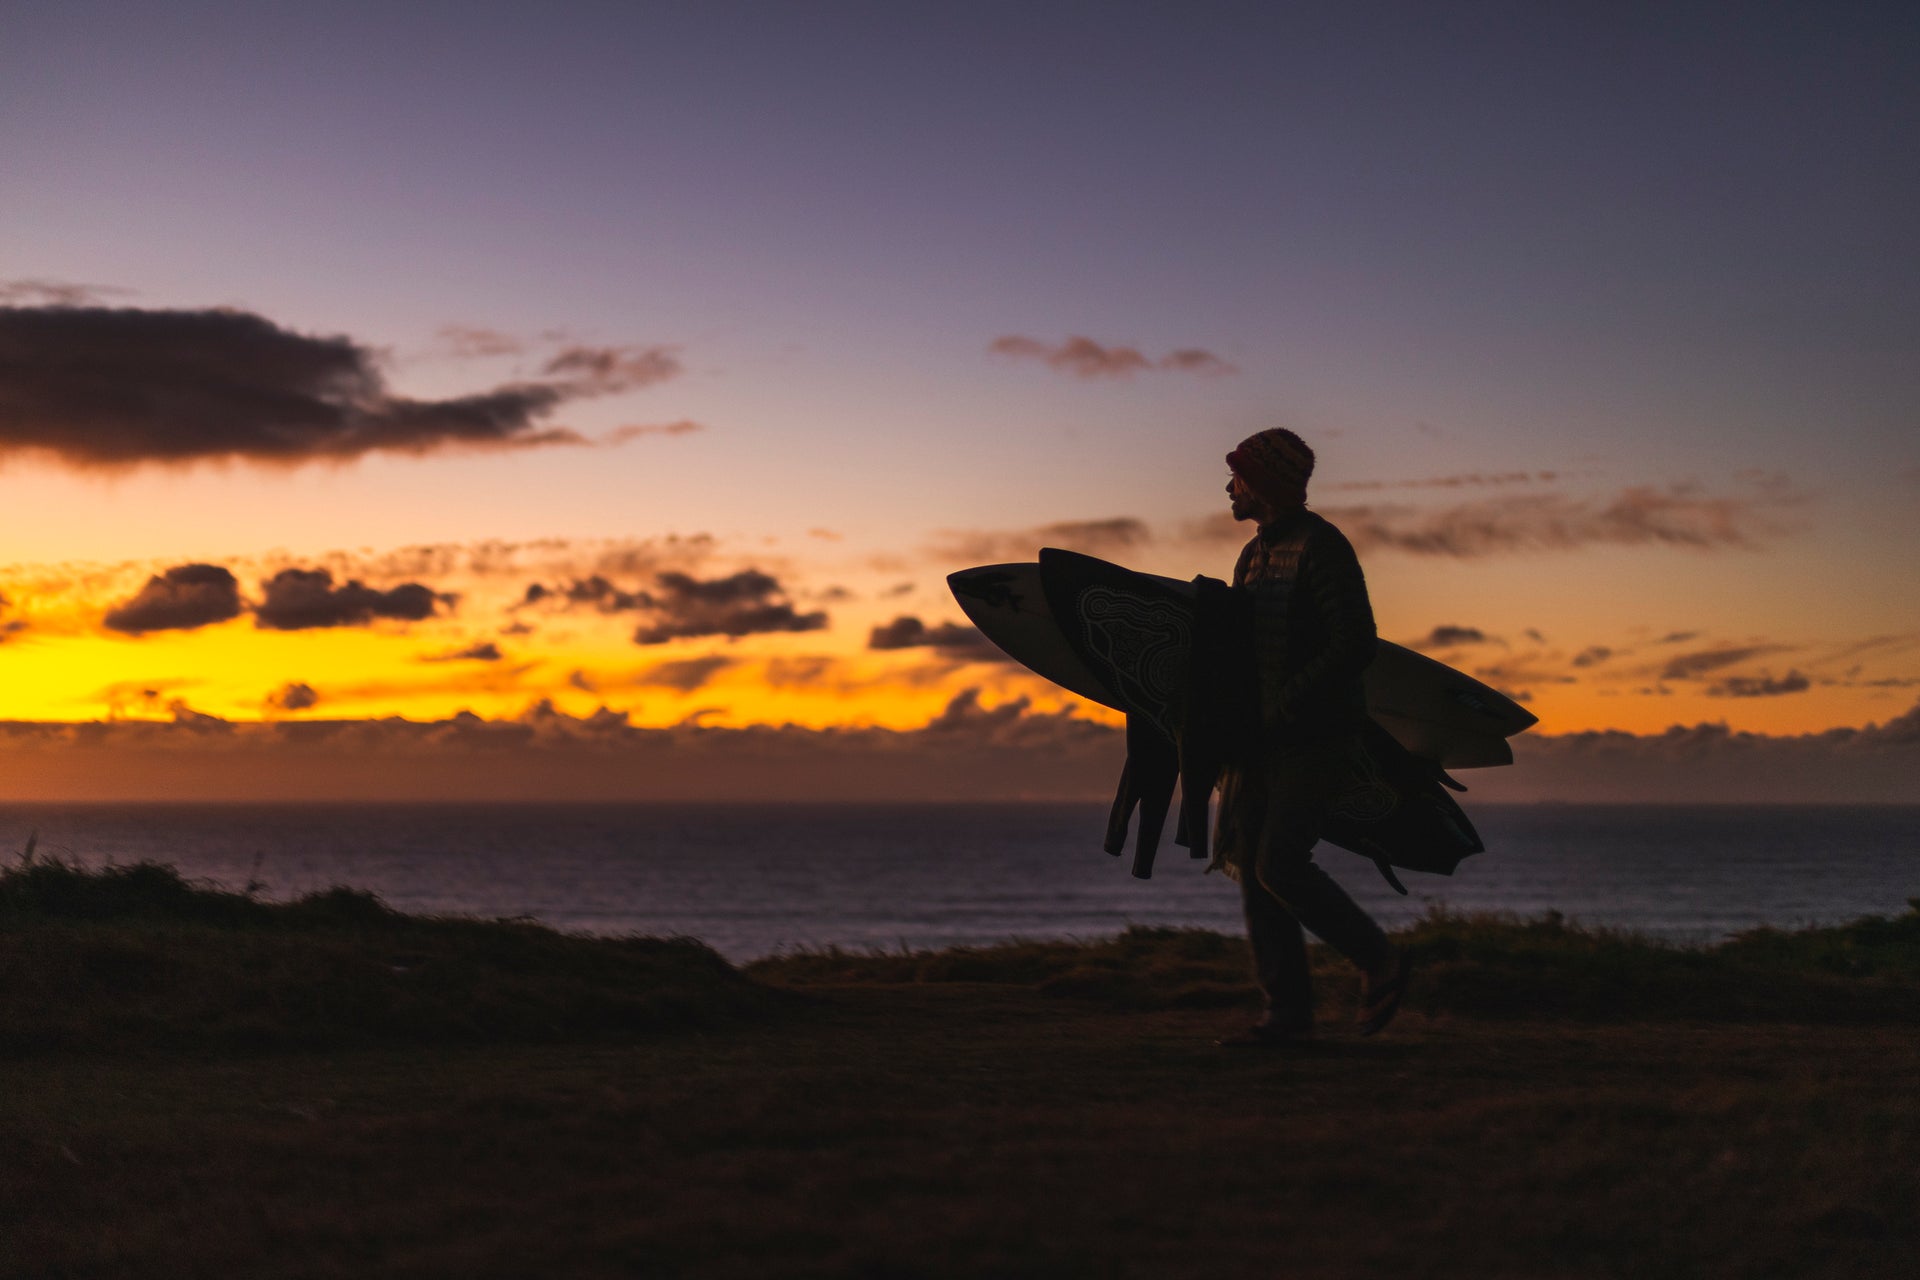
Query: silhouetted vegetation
[[136, 956], [1483, 966]]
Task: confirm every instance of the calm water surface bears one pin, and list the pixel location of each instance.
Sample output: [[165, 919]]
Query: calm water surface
[[754, 879]]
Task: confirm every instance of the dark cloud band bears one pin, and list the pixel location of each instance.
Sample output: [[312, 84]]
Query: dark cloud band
[[113, 387]]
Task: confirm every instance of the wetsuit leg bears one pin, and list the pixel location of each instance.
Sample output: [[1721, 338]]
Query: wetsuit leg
[[1298, 783], [1279, 957]]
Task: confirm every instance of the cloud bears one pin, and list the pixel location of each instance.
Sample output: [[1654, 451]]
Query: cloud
[[680, 605], [302, 599], [1473, 480], [1678, 516], [55, 293], [1218, 528], [1514, 674], [1013, 724], [117, 387], [1085, 358], [1094, 537], [821, 673], [806, 671], [908, 632], [483, 651], [745, 603], [473, 342], [295, 695], [180, 599], [596, 371], [1763, 686], [1688, 666], [595, 590], [1881, 645], [683, 674], [1194, 360], [1592, 656], [634, 431], [1448, 637]]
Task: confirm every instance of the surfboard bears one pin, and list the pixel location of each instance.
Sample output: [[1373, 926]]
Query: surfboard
[[1136, 633], [1434, 711]]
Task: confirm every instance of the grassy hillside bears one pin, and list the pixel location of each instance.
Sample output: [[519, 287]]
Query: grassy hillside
[[1475, 966], [135, 957], [197, 1083]]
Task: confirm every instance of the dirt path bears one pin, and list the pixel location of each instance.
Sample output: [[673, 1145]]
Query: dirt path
[[982, 1131]]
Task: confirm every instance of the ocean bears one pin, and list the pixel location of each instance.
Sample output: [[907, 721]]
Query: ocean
[[752, 880]]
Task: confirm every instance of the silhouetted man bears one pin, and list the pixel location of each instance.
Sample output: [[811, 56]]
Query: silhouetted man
[[1313, 637]]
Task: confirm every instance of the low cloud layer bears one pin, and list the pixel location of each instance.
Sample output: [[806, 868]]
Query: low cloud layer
[[180, 599], [114, 387], [1712, 763], [968, 751], [1085, 358]]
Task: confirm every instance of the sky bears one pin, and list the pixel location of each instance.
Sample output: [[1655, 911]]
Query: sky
[[590, 400]]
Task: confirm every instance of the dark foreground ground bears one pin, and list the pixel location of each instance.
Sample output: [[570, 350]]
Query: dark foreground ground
[[491, 1100]]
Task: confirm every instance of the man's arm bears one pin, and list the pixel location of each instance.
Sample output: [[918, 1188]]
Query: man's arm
[[1330, 576]]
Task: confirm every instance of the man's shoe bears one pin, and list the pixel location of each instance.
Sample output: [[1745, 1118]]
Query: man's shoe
[[1382, 998], [1264, 1035]]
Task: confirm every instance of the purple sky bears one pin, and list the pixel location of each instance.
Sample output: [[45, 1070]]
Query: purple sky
[[1655, 257]]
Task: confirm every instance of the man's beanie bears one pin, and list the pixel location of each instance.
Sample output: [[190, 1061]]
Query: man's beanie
[[1275, 464]]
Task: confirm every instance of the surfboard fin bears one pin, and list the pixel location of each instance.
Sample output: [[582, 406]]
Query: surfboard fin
[[1449, 781], [1386, 869]]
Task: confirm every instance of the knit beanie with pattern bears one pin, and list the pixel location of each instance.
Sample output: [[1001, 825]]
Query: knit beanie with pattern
[[1275, 463]]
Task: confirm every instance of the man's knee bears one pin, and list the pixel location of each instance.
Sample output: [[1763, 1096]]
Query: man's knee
[[1286, 873]]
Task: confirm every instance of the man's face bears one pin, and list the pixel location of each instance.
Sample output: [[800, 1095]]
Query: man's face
[[1245, 505]]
